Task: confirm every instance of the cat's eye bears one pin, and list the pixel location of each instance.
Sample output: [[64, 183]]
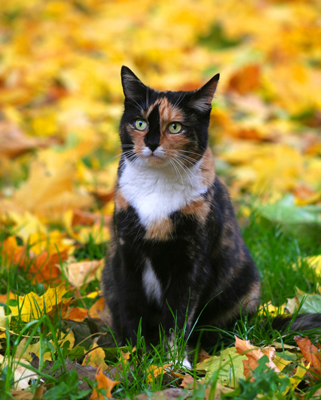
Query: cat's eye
[[140, 124], [174, 127]]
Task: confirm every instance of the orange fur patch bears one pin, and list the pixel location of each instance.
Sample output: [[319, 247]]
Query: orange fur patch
[[161, 230], [120, 202], [199, 208], [208, 168]]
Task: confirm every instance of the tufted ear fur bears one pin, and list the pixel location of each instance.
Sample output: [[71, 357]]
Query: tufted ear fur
[[132, 86], [202, 98]]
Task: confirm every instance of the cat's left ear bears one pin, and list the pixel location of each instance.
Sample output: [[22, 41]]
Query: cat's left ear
[[202, 98]]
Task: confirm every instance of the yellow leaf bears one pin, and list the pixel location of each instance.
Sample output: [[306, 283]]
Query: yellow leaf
[[54, 196], [153, 371], [31, 348], [298, 376], [272, 309], [281, 363], [31, 306], [35, 347], [96, 358]]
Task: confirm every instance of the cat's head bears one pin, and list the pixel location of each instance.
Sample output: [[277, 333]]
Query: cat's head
[[163, 128]]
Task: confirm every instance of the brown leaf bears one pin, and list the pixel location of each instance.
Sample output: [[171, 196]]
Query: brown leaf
[[76, 314], [202, 356], [80, 217], [45, 267], [188, 382], [246, 79], [253, 354], [310, 352], [21, 395], [13, 142]]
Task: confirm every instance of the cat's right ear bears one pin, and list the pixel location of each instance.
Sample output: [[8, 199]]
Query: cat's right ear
[[132, 86]]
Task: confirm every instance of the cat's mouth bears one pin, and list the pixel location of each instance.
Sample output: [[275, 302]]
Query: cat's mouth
[[155, 160]]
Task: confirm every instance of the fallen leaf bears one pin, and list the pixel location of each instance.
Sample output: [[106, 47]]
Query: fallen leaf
[[22, 352], [222, 364], [22, 375], [96, 358], [301, 370], [253, 354], [46, 267], [14, 142], [310, 352], [187, 382], [82, 272], [22, 395], [5, 297], [153, 371], [34, 349], [103, 383], [97, 308], [76, 314], [80, 217], [246, 79], [31, 306], [54, 196], [202, 356]]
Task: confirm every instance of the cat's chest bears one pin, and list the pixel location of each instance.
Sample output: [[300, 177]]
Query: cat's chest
[[156, 193]]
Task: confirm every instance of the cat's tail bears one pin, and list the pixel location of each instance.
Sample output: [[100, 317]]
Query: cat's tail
[[302, 322]]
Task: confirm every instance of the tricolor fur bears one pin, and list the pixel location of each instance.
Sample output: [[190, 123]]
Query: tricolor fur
[[175, 245]]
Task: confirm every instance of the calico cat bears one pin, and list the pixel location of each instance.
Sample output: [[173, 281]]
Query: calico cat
[[175, 246]]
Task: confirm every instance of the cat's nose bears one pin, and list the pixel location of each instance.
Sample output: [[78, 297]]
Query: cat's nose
[[153, 146]]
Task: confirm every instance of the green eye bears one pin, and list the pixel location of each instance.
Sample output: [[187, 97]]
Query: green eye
[[174, 127], [140, 124]]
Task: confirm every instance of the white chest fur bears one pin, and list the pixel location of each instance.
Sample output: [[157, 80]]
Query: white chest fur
[[157, 192]]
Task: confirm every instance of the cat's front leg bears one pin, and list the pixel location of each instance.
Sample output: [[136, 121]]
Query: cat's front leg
[[179, 316]]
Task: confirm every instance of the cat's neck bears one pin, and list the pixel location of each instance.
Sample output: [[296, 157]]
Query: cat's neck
[[155, 193]]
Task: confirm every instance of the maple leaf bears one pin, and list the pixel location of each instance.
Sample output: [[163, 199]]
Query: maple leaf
[[83, 272], [76, 314], [310, 352], [31, 306], [253, 354], [96, 358], [153, 371], [103, 383], [97, 308]]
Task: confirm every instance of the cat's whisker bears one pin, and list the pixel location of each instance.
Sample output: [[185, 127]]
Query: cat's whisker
[[176, 168], [180, 99], [187, 171]]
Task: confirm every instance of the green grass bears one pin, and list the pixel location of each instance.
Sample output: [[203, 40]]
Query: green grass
[[280, 258]]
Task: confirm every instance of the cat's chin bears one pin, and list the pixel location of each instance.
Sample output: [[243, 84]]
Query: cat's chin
[[155, 161]]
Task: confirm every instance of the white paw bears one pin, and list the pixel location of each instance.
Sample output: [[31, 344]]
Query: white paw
[[187, 364]]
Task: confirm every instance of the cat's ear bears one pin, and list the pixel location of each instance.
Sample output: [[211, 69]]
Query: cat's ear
[[202, 98], [132, 86]]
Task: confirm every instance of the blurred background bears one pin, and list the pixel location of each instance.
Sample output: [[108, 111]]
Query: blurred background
[[61, 102]]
